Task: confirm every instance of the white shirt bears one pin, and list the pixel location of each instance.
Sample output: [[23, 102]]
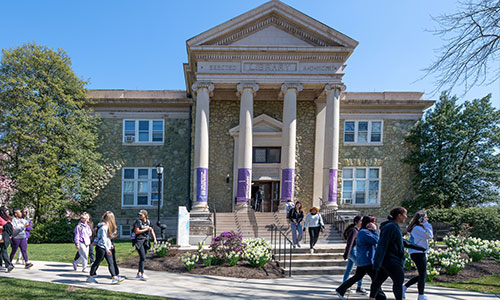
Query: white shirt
[[314, 220]]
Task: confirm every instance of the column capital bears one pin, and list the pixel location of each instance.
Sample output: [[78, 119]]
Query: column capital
[[254, 87], [289, 85], [331, 87], [201, 85]]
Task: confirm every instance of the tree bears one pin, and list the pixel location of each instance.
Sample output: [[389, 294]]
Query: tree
[[48, 136], [454, 155], [472, 47]]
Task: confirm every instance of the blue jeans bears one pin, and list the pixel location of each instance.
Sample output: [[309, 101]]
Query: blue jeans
[[351, 261], [296, 228]]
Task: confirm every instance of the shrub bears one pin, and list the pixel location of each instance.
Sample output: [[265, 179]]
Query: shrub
[[257, 252], [189, 260], [206, 259], [56, 230], [233, 257], [225, 243], [432, 272], [481, 222], [161, 249], [475, 248]]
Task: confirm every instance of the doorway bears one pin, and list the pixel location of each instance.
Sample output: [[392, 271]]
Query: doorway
[[270, 195]]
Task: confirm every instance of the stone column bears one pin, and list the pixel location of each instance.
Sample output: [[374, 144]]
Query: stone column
[[200, 182], [331, 154], [246, 92], [289, 135]]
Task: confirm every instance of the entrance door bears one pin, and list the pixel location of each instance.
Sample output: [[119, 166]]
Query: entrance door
[[270, 193]]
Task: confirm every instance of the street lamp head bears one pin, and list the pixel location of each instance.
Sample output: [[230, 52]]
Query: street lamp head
[[159, 169]]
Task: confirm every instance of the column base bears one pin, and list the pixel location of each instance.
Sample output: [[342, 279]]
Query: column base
[[200, 227], [200, 207], [333, 205], [241, 206]]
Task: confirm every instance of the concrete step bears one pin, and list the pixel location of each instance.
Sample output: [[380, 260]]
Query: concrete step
[[315, 256], [331, 270], [317, 263]]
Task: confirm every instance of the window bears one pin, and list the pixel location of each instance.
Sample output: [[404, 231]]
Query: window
[[361, 186], [266, 155], [125, 230], [143, 131], [140, 187], [362, 132]]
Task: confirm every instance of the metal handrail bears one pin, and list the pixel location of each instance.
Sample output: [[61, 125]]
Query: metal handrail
[[276, 234]]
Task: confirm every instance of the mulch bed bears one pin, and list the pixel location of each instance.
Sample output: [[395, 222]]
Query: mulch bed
[[172, 264], [471, 271]]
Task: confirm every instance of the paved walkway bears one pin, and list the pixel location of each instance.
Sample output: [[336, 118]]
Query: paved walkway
[[187, 286]]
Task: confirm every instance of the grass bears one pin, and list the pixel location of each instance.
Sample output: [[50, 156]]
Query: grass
[[486, 284], [66, 252], [26, 289]]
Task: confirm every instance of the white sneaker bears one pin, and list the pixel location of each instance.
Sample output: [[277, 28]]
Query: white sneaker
[[404, 291], [138, 275], [120, 278], [422, 297], [91, 280], [298, 245], [311, 251], [75, 266], [145, 276], [115, 280], [84, 270]]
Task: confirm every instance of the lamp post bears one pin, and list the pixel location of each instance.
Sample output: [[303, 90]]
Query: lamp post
[[159, 173]]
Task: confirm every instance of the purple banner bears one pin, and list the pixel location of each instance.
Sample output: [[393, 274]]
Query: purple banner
[[287, 184], [243, 184], [201, 184], [332, 190]]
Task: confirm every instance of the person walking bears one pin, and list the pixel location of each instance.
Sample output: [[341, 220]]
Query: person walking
[[19, 239], [389, 256], [82, 236], [420, 233], [6, 230], [295, 217], [91, 256], [142, 229], [366, 243], [105, 249], [314, 223], [25, 216], [350, 234]]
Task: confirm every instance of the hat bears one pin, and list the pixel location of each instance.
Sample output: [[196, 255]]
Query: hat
[[143, 212]]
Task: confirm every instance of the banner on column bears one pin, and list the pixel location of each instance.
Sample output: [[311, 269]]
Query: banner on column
[[243, 185], [201, 184], [287, 184], [332, 190]]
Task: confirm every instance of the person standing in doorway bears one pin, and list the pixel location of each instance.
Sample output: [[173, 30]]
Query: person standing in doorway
[[420, 233], [295, 217], [82, 236], [142, 229], [258, 199], [350, 253], [314, 223], [19, 239]]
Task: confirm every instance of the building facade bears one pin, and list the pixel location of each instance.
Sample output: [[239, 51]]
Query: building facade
[[264, 107]]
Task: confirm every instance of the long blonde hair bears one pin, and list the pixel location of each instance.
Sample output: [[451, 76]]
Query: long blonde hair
[[109, 219]]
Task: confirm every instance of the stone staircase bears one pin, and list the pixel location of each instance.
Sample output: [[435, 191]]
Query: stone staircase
[[327, 258]]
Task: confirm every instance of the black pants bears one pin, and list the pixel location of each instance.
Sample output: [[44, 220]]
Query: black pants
[[91, 254], [360, 273], [313, 235], [3, 255], [397, 274], [100, 254], [420, 260], [142, 254]]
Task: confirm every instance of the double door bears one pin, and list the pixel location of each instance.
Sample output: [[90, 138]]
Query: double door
[[270, 195]]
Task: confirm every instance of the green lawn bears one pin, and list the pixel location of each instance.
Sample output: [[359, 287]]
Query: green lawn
[[27, 289], [486, 284], [66, 252]]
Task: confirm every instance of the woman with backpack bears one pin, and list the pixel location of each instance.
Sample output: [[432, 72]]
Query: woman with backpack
[[420, 233], [106, 231], [295, 217], [350, 234], [314, 223], [82, 238], [140, 239], [6, 230]]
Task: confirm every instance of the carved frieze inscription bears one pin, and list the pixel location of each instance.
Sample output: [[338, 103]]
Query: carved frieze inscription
[[268, 67]]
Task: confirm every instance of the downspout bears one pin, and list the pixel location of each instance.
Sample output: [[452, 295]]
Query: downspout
[[188, 186]]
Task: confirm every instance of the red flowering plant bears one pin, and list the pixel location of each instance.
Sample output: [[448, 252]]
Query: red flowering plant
[[225, 243]]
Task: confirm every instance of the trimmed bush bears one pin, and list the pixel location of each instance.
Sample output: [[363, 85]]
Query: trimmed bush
[[480, 222]]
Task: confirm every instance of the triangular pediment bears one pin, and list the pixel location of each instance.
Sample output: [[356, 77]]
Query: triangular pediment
[[288, 26], [261, 124]]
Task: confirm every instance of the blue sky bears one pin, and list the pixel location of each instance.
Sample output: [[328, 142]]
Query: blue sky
[[140, 45]]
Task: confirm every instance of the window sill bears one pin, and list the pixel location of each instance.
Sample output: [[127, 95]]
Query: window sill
[[143, 144], [140, 206], [362, 144]]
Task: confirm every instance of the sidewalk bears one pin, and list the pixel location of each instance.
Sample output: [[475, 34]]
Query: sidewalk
[[186, 286]]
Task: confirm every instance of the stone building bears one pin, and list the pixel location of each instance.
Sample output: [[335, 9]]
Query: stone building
[[264, 106]]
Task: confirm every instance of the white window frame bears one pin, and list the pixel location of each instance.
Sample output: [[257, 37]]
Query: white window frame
[[367, 185], [150, 132], [135, 181], [368, 142], [121, 231]]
